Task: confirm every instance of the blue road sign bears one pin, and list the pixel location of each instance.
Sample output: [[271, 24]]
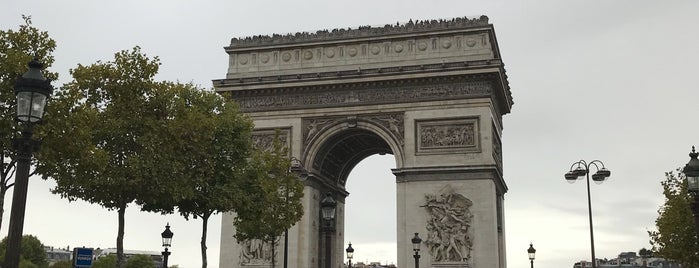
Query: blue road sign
[[82, 257]]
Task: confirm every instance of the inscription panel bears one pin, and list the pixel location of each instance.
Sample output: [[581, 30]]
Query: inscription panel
[[447, 136]]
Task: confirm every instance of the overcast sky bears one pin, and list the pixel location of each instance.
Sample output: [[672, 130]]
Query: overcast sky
[[613, 80]]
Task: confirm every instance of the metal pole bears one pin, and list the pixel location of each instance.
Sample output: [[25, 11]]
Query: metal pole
[[165, 255], [327, 249], [24, 145], [695, 211], [286, 247], [350, 263], [417, 259], [532, 261], [589, 209]]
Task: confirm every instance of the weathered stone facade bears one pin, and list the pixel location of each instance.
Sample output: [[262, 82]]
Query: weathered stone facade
[[431, 93]]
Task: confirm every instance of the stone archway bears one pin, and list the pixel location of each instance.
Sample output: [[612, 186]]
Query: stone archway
[[430, 93]]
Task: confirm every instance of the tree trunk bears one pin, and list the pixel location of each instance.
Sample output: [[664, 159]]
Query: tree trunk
[[3, 190], [205, 220], [273, 251], [120, 239]]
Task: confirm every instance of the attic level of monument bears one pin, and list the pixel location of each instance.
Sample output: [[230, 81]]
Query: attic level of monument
[[411, 27], [420, 49]]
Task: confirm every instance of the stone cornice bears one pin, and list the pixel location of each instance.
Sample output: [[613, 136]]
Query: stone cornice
[[472, 172], [361, 32], [270, 80]]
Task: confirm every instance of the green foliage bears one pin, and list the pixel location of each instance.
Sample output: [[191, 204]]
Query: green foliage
[[24, 263], [108, 261], [62, 264], [17, 48], [675, 238], [645, 253], [32, 253], [201, 151], [140, 261], [97, 140], [273, 203]]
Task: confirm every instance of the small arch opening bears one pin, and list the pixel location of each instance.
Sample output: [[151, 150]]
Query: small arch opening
[[370, 210]]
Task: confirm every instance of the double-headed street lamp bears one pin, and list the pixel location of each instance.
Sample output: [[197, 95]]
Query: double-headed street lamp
[[167, 242], [582, 169], [350, 254], [327, 210], [691, 171], [32, 90], [532, 253], [416, 248]]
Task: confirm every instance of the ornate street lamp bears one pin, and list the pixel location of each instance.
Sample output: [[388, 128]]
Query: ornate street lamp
[[416, 248], [691, 171], [167, 242], [32, 90], [327, 210], [582, 169], [532, 252], [350, 254]]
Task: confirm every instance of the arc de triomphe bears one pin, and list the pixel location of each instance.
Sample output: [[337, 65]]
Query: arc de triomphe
[[430, 93]]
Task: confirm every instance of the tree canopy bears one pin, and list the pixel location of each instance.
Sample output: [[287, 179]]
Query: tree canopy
[[32, 253], [140, 261], [273, 203], [17, 48], [676, 238], [204, 147], [99, 130], [108, 261]]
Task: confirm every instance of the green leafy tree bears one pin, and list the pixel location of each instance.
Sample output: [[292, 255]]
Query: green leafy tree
[[17, 48], [99, 131], [645, 253], [273, 204], [207, 141], [140, 261], [32, 253], [108, 261], [62, 264], [675, 238]]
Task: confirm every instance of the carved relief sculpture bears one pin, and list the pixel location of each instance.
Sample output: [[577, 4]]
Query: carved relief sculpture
[[255, 252], [450, 235], [391, 122], [453, 135], [264, 138]]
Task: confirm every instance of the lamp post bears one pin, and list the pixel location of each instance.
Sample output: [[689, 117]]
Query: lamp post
[[327, 209], [297, 168], [350, 254], [582, 169], [532, 252], [416, 248], [32, 90], [691, 171], [167, 242]]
